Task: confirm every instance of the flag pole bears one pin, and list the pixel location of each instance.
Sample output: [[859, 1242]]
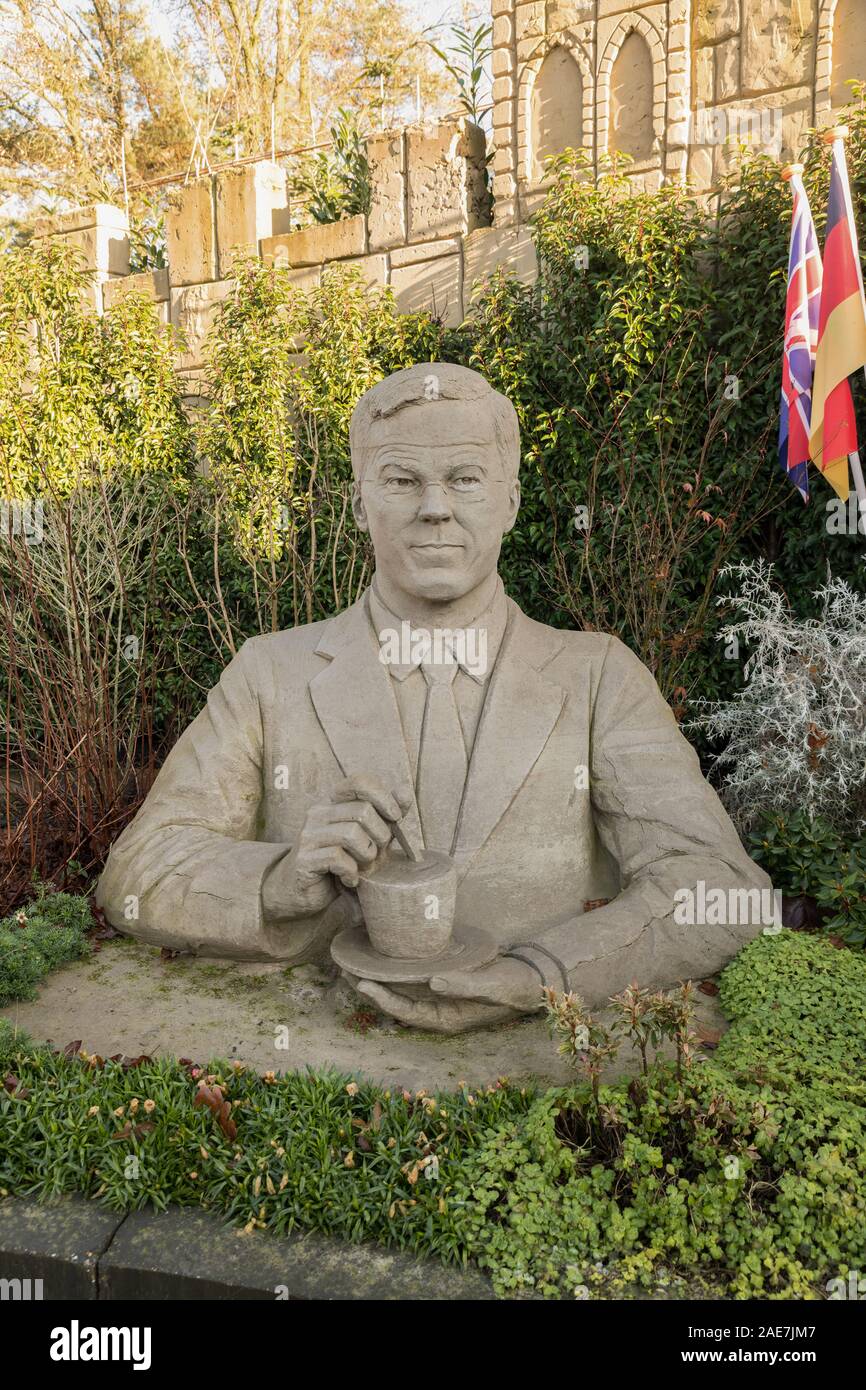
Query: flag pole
[[839, 134]]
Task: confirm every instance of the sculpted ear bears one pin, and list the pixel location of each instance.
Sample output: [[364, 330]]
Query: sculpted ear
[[514, 506], [359, 511]]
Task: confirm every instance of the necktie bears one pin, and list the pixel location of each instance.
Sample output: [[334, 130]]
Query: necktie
[[442, 758]]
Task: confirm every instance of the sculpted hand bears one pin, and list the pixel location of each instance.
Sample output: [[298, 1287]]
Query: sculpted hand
[[505, 989], [338, 838]]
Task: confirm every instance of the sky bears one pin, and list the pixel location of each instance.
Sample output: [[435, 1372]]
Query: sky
[[428, 12]]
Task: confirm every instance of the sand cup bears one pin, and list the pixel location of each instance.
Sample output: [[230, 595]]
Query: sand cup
[[409, 908]]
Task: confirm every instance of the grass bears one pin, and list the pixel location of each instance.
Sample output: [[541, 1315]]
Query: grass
[[50, 931]]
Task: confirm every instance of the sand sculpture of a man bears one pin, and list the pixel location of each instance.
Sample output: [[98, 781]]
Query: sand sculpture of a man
[[544, 763]]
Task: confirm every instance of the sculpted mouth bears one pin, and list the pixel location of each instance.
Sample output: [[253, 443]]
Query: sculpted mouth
[[437, 545]]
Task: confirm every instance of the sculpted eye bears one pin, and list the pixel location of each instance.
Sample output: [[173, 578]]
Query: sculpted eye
[[464, 480], [399, 484]]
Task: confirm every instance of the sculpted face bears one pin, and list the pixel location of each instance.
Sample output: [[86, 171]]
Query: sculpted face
[[436, 499]]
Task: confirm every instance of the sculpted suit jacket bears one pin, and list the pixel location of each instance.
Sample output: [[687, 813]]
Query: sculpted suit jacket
[[580, 786]]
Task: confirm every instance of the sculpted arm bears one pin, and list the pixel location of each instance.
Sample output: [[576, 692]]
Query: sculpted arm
[[667, 830], [189, 871]]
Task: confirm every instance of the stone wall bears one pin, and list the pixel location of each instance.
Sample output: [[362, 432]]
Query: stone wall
[[674, 84]]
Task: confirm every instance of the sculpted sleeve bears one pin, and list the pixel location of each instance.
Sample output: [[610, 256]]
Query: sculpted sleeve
[[673, 842], [187, 872]]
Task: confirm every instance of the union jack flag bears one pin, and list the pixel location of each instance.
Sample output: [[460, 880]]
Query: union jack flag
[[805, 279]]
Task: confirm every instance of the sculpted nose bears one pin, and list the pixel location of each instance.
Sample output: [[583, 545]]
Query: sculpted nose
[[435, 505]]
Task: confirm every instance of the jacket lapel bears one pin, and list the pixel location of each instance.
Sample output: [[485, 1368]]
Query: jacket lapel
[[354, 700], [520, 711]]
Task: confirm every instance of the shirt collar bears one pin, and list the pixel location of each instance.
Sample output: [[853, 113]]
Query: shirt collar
[[474, 647]]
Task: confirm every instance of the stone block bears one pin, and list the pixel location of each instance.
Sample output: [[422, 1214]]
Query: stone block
[[716, 19], [678, 66], [531, 200], [446, 180], [505, 209], [386, 155], [305, 280], [374, 269], [424, 251], [190, 233], [569, 14], [528, 48], [79, 219], [649, 181], [796, 121], [503, 88], [727, 70], [99, 232], [678, 109], [434, 286], [676, 165], [502, 62], [248, 201], [503, 31], [700, 167], [59, 1243], [193, 308], [778, 45], [529, 20], [503, 117], [679, 133], [151, 283], [704, 78], [193, 1255], [326, 241], [490, 248]]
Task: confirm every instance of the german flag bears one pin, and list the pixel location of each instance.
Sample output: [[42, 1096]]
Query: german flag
[[841, 332]]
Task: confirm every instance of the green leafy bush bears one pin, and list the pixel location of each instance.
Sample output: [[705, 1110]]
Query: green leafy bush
[[807, 856], [335, 182], [750, 1173], [46, 933]]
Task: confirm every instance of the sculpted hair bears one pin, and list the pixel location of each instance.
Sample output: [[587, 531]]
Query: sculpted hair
[[433, 383]]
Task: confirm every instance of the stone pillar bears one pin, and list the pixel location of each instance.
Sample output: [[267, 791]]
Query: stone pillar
[[100, 233], [386, 155], [190, 229], [504, 67], [251, 204], [445, 170]]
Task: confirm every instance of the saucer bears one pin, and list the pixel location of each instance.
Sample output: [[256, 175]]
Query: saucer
[[468, 949]]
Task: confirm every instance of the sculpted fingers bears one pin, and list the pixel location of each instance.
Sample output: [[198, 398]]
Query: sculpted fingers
[[346, 835], [391, 804], [415, 1013], [331, 859], [365, 815], [432, 1015]]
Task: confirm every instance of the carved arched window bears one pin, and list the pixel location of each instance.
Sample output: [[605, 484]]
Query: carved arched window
[[556, 108], [631, 99], [849, 49]]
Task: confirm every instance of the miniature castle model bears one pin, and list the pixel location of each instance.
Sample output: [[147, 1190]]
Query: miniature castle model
[[676, 85]]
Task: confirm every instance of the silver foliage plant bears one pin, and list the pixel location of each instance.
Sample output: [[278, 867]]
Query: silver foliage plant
[[795, 734]]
